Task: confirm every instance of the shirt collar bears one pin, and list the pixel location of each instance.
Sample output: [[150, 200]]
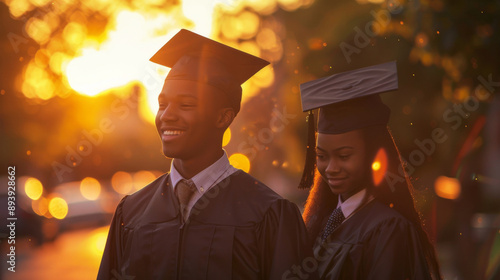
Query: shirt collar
[[352, 203], [207, 177]]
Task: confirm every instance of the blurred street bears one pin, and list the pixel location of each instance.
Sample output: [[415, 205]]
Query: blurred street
[[73, 255]]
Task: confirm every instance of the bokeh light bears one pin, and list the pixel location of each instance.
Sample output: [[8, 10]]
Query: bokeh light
[[226, 138], [58, 208], [33, 188], [240, 161], [447, 187], [40, 206], [90, 188], [379, 166], [122, 182], [142, 178]]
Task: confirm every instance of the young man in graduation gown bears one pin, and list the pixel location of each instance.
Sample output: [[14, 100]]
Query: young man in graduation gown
[[360, 210], [205, 219]]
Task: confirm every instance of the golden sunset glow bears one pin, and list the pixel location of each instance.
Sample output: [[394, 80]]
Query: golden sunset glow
[[122, 59], [117, 57], [97, 240], [89, 154]]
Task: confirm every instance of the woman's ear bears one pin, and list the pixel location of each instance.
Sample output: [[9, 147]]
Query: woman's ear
[[225, 118]]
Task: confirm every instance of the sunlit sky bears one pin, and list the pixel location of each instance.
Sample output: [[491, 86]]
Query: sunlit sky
[[77, 53]]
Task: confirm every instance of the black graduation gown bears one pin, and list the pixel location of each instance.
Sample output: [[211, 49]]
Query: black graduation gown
[[239, 229], [374, 243]]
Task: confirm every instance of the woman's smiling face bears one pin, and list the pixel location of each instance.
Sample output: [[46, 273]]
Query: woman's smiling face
[[341, 162]]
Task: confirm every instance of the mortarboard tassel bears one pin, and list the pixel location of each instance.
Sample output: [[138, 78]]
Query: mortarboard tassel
[[310, 165]]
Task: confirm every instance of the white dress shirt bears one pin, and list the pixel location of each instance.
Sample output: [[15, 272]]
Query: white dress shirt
[[206, 179], [352, 203]]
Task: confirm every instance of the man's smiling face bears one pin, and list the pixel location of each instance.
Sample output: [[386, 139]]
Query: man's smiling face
[[186, 118]]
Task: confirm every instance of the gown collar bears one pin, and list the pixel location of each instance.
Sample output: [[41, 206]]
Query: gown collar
[[163, 205]]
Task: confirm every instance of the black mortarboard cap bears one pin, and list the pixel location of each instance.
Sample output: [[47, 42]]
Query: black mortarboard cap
[[196, 58], [347, 101]]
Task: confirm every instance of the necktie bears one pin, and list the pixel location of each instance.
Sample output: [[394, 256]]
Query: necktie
[[335, 219], [184, 190]]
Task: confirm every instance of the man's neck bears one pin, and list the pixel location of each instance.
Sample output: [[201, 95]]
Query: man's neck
[[190, 167]]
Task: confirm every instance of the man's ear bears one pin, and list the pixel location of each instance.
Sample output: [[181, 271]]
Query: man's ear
[[225, 118]]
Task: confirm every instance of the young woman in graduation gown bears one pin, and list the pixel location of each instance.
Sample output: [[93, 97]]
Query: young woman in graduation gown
[[360, 210]]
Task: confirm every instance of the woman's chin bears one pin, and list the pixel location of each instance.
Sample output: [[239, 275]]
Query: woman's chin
[[336, 190]]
